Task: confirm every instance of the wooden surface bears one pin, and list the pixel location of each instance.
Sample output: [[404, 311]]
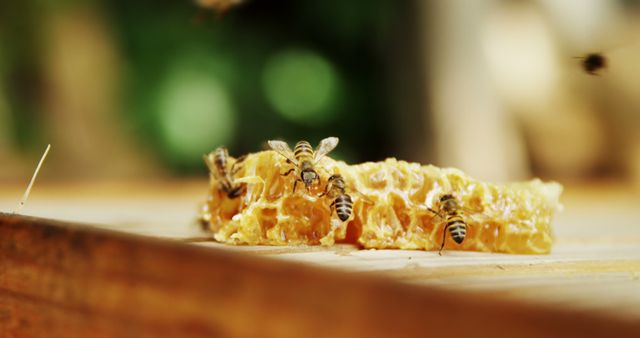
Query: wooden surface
[[69, 276]]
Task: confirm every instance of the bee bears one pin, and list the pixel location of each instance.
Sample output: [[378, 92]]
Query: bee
[[342, 202], [304, 159], [220, 6], [593, 62], [218, 163], [453, 215]]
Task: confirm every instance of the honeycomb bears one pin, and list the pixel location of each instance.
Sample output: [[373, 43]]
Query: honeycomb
[[390, 208]]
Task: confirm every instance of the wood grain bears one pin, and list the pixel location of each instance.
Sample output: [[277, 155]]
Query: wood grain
[[61, 279]]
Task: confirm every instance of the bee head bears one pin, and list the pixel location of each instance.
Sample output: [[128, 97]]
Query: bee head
[[448, 202], [336, 179], [446, 197], [308, 176]]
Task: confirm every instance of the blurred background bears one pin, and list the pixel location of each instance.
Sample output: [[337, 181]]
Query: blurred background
[[131, 90], [131, 94]]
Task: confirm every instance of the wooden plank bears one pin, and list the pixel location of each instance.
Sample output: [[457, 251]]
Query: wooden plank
[[602, 278], [593, 267], [61, 279]]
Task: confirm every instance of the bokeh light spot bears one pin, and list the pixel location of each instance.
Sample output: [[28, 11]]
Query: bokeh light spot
[[302, 86], [196, 113]]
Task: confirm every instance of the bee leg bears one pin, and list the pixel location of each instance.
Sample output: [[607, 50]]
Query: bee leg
[[444, 238], [243, 189], [204, 224], [436, 213], [241, 159], [288, 172], [234, 167], [237, 191], [332, 206], [224, 187], [295, 184], [326, 189]]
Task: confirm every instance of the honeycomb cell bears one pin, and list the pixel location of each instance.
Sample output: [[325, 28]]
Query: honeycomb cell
[[268, 218], [391, 201]]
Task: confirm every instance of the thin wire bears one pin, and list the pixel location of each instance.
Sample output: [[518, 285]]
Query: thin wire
[[33, 179]]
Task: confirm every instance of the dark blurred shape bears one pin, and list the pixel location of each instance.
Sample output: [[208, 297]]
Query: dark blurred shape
[[593, 62], [219, 6]]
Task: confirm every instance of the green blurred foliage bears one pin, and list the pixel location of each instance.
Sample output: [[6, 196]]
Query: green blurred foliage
[[20, 45], [312, 98], [173, 51]]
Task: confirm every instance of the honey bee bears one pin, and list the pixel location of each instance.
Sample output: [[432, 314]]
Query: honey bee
[[304, 158], [218, 163], [342, 202], [453, 215], [593, 62], [220, 6]]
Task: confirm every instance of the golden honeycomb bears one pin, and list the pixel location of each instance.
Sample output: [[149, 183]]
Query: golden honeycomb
[[390, 208]]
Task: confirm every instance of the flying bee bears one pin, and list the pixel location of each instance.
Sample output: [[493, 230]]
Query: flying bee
[[219, 6], [303, 158], [342, 202], [593, 62], [453, 215], [218, 163]]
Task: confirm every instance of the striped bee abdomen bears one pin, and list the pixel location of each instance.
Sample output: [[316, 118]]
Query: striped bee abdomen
[[218, 165], [220, 161], [343, 206], [303, 151], [457, 228], [342, 202]]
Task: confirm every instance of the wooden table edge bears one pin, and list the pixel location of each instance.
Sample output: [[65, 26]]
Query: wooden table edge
[[63, 279]]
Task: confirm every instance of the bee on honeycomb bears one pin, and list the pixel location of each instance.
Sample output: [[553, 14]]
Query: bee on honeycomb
[[390, 214]]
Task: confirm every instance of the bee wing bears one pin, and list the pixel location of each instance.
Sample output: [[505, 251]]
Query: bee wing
[[283, 149], [434, 212], [325, 146], [437, 215]]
